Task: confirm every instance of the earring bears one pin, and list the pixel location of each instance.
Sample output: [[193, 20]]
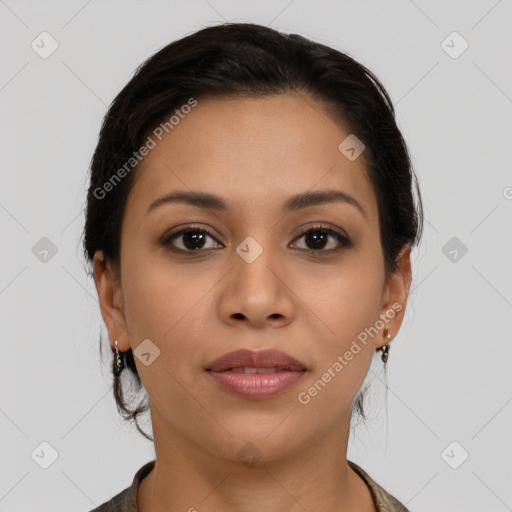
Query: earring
[[385, 348], [118, 361]]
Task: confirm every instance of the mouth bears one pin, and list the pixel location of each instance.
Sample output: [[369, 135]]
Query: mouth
[[256, 375], [260, 371], [251, 360]]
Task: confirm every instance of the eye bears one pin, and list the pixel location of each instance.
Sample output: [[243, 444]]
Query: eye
[[191, 239], [195, 239], [317, 238]]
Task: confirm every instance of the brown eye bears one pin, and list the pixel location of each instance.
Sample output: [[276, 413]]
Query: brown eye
[[321, 239], [191, 239]]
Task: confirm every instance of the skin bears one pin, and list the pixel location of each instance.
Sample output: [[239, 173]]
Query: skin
[[254, 153]]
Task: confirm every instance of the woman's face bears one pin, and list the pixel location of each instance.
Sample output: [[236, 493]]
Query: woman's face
[[256, 281]]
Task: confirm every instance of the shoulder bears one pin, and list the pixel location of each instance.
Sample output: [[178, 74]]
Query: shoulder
[[384, 502], [119, 503], [126, 500]]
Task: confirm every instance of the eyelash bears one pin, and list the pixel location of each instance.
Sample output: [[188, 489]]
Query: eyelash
[[343, 239]]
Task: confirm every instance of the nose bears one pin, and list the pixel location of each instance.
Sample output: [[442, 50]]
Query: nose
[[257, 291]]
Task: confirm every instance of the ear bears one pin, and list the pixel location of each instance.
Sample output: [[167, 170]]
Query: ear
[[396, 291], [110, 295]]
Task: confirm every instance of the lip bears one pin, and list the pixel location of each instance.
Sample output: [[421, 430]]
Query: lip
[[259, 359], [254, 385]]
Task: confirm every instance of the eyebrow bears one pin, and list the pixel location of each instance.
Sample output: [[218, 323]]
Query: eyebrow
[[293, 203]]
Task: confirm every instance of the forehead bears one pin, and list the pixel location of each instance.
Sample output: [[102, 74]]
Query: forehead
[[253, 151]]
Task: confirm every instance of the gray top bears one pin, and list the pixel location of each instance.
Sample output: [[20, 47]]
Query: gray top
[[126, 500]]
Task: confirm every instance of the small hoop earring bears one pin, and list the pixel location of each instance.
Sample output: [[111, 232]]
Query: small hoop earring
[[118, 361]]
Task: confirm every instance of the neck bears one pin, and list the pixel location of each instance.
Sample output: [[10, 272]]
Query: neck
[[187, 477]]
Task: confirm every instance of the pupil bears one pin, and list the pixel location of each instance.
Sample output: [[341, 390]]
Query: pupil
[[316, 235], [196, 237]]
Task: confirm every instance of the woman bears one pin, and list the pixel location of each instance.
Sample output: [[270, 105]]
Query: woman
[[249, 223]]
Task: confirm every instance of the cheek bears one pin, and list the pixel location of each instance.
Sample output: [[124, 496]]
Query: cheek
[[357, 300], [349, 306], [159, 298], [346, 297], [167, 307], [343, 358], [170, 305]]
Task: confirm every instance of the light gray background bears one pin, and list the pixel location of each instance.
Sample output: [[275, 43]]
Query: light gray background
[[449, 372]]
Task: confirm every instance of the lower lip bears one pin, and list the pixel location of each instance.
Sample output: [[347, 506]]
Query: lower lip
[[254, 385]]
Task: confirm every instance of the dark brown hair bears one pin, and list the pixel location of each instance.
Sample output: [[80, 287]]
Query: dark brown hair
[[236, 59]]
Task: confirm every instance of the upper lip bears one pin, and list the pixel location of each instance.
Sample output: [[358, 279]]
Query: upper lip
[[251, 359]]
